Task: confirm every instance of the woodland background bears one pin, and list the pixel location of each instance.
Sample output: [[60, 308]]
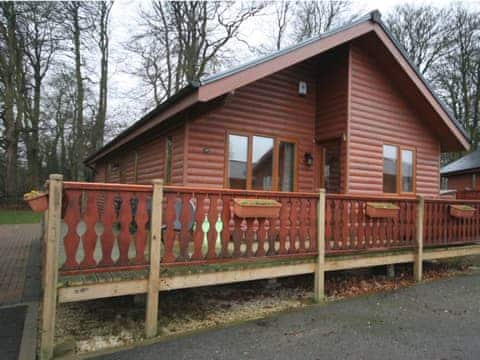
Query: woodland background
[[56, 66]]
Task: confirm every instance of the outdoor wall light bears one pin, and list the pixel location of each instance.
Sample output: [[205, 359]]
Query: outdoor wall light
[[206, 150], [302, 88], [308, 159]]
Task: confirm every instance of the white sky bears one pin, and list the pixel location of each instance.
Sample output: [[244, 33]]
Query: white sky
[[124, 17]]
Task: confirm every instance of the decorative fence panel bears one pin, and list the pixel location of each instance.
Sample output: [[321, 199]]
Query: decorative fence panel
[[348, 228], [441, 228], [105, 226], [200, 226]]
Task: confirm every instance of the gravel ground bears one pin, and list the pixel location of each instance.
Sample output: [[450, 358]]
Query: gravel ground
[[107, 323]]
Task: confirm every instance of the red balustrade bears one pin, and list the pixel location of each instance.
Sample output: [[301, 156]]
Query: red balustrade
[[200, 226], [106, 226], [441, 228], [348, 228]]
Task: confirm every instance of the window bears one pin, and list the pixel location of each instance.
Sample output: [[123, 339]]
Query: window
[[398, 169], [168, 159], [444, 185], [286, 163], [389, 169], [407, 171], [237, 161], [260, 163]]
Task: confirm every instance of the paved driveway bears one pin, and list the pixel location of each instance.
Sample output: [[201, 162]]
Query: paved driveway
[[19, 263], [438, 320]]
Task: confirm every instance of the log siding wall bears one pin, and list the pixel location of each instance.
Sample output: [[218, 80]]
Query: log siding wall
[[463, 181], [379, 114], [332, 102], [150, 161], [270, 107]]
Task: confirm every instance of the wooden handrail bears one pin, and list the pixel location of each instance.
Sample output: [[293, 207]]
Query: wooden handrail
[[73, 185]]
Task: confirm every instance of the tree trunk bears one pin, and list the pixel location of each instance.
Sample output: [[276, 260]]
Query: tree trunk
[[78, 148]]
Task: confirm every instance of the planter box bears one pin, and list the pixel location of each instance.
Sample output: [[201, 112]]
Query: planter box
[[462, 211], [38, 203], [256, 208], [382, 210]]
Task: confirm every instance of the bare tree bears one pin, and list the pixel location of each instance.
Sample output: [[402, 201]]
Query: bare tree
[[282, 12], [316, 17], [457, 74], [422, 31], [182, 41], [104, 8], [40, 29], [11, 76]]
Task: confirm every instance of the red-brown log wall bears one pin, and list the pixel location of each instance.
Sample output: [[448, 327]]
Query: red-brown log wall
[[332, 116], [150, 161], [379, 114], [270, 106], [462, 182]]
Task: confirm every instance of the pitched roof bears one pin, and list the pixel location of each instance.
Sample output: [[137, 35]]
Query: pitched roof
[[467, 162], [219, 84]]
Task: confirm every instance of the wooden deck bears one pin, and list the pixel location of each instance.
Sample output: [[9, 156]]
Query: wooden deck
[[106, 240]]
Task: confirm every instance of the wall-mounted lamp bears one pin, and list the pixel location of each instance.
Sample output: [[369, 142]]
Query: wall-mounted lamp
[[206, 150], [308, 159], [302, 88]]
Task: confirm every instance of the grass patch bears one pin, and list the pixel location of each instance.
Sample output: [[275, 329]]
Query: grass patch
[[19, 217]]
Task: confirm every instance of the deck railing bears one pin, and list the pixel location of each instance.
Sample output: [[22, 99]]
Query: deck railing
[[350, 229], [440, 228], [200, 226], [106, 226]]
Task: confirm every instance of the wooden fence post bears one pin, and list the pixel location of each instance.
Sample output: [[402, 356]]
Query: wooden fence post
[[53, 234], [151, 314], [320, 266], [418, 264]]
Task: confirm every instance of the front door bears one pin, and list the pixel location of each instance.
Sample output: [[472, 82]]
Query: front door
[[329, 165]]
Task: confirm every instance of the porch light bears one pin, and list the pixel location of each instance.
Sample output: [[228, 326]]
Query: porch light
[[308, 159], [302, 88]]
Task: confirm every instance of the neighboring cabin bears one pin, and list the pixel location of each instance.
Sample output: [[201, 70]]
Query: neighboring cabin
[[345, 110], [462, 174]]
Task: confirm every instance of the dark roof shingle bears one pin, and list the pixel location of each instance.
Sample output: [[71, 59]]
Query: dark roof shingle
[[467, 162]]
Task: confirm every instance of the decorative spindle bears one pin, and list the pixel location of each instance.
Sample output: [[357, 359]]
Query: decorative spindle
[[205, 225], [219, 227]]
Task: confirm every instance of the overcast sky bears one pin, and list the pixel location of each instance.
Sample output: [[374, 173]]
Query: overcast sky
[[124, 22]]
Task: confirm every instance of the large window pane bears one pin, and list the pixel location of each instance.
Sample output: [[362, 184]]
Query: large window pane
[[237, 161], [286, 163], [389, 169], [262, 163], [407, 171]]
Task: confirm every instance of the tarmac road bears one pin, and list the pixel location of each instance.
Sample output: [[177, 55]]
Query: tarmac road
[[436, 320]]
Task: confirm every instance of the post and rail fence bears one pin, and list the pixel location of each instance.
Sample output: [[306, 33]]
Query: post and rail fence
[[100, 227]]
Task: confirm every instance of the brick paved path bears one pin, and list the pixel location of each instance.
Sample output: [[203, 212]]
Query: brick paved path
[[17, 244]]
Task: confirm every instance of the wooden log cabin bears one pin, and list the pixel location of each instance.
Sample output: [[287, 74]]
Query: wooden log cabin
[[345, 110], [463, 173]]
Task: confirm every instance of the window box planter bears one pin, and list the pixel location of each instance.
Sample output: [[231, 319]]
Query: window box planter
[[382, 210], [256, 208], [38, 201], [462, 211]]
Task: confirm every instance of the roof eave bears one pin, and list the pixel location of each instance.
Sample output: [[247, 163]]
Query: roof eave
[[173, 100]]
